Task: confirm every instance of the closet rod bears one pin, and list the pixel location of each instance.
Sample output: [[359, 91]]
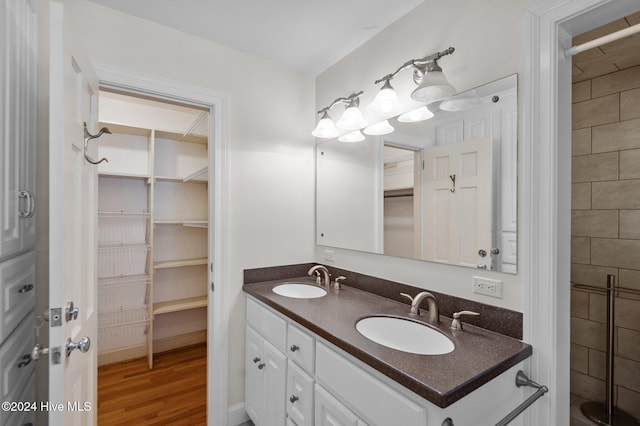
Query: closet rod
[[602, 40]]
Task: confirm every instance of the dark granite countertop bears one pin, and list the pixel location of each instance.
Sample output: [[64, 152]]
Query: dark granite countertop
[[479, 354]]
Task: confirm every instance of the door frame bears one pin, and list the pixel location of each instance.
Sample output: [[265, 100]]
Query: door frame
[[217, 318], [546, 199]]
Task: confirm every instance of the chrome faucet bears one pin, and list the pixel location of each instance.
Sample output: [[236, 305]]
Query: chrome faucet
[[325, 272], [434, 314]]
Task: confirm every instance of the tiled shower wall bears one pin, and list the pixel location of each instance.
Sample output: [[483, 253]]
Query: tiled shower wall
[[605, 229]]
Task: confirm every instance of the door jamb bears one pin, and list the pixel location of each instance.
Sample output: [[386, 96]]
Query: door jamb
[[217, 319]]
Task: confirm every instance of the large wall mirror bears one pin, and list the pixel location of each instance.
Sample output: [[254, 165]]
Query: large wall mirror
[[441, 190]]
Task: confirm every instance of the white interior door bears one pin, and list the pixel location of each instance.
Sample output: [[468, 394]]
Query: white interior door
[[457, 201], [73, 188]]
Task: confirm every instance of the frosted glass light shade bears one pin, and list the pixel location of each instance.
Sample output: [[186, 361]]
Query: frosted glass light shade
[[351, 119], [385, 102], [461, 102], [355, 136], [418, 114], [381, 128], [433, 87], [325, 129]]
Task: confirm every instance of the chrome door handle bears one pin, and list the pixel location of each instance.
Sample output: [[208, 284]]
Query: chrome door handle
[[38, 351], [293, 398], [294, 348], [25, 288], [82, 345], [70, 312], [31, 204]]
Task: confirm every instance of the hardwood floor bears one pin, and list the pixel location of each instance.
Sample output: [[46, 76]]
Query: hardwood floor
[[172, 393]]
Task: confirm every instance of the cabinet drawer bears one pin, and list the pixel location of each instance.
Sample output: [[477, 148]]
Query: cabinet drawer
[[25, 417], [300, 348], [375, 401], [269, 325], [17, 294], [16, 366], [331, 412], [299, 396]]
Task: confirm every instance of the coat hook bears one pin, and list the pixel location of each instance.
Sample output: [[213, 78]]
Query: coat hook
[[453, 181], [87, 137]]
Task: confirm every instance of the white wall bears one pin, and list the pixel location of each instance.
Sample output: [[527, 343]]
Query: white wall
[[271, 160], [488, 38]]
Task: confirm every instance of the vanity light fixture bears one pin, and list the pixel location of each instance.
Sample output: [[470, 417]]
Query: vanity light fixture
[[427, 74], [385, 103], [326, 128], [418, 114], [377, 129], [355, 136], [351, 118], [461, 102]]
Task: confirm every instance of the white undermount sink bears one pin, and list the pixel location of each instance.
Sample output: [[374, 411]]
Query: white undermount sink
[[299, 290], [404, 335]]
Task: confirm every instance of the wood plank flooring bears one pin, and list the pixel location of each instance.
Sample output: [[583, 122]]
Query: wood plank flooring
[[172, 393]]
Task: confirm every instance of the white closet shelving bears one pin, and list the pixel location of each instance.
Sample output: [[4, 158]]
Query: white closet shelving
[[153, 247]]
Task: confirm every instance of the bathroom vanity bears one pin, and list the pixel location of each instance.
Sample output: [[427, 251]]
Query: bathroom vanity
[[306, 363]]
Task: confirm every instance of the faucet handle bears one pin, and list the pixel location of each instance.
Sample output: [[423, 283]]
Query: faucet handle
[[456, 324], [336, 284]]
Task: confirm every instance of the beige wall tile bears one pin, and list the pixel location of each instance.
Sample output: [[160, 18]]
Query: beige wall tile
[[630, 164], [603, 30], [615, 253], [594, 167], [580, 359], [632, 20], [628, 314], [598, 307], [597, 364], [581, 141], [616, 82], [627, 374], [591, 275], [630, 224], [581, 91], [596, 112], [580, 304], [581, 196], [587, 387], [629, 104], [616, 136], [594, 223], [628, 344], [628, 401], [591, 69], [588, 333], [629, 278], [616, 195], [580, 250]]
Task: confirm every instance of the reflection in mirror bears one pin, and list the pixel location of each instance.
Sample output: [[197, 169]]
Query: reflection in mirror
[[442, 189]]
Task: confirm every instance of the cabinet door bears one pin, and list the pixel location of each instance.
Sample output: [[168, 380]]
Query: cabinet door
[[299, 395], [330, 412], [253, 376], [274, 386]]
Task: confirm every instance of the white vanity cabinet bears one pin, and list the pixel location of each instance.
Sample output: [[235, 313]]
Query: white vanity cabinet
[[266, 366], [331, 412]]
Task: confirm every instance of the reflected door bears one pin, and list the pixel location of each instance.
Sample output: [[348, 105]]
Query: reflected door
[[457, 199]]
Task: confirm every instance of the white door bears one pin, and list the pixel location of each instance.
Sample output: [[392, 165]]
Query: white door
[[457, 190], [72, 226]]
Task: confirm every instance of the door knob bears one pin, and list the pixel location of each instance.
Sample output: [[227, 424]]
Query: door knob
[[82, 345], [38, 352]]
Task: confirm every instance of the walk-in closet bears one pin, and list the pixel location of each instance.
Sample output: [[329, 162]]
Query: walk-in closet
[[153, 211]]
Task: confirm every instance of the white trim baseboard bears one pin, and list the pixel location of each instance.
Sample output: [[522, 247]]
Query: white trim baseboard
[[217, 336], [238, 415]]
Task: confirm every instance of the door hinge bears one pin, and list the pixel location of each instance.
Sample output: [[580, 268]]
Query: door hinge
[[212, 287], [422, 164]]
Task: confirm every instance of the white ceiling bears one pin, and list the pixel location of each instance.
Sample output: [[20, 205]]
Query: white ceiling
[[306, 35]]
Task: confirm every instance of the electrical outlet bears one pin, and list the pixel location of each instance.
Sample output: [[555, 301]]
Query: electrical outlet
[[487, 287]]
